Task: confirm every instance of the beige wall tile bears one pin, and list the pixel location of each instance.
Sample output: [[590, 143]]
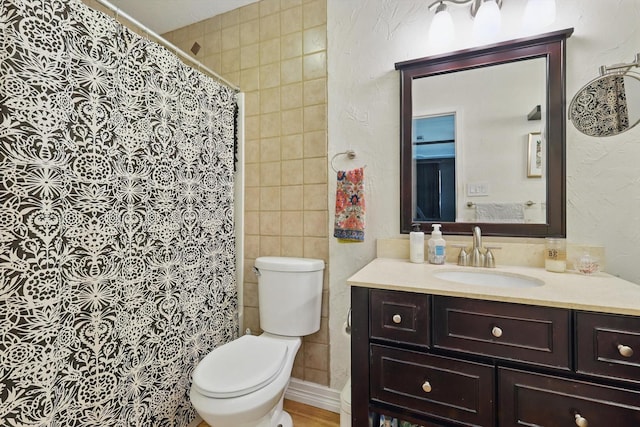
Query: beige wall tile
[[212, 24], [250, 79], [249, 32], [252, 319], [212, 43], [269, 51], [291, 21], [250, 291], [315, 92], [252, 151], [270, 125], [322, 336], [325, 302], [291, 198], [315, 170], [291, 45], [270, 245], [270, 75], [298, 364], [315, 356], [270, 27], [251, 247], [252, 198], [292, 122], [270, 100], [270, 149], [230, 18], [269, 198], [250, 12], [292, 224], [270, 174], [291, 71], [315, 197], [268, 7], [252, 175], [316, 247], [317, 376], [315, 144], [315, 223], [292, 146], [270, 223], [286, 4], [249, 56], [314, 40], [213, 62], [230, 60], [315, 118], [314, 13], [291, 96], [252, 127], [231, 38], [252, 223], [251, 103], [292, 172], [315, 66], [292, 246]]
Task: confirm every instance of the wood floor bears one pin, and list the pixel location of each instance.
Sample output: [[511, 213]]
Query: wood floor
[[306, 416]]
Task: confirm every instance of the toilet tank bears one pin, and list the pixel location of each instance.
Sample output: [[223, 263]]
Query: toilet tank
[[289, 295]]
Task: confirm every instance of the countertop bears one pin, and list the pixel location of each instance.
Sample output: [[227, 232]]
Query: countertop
[[599, 292]]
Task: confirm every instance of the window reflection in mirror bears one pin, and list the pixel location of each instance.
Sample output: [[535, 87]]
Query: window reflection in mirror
[[434, 156]]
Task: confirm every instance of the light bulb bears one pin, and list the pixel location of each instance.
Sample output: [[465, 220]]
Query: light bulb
[[538, 14], [441, 32], [487, 23]]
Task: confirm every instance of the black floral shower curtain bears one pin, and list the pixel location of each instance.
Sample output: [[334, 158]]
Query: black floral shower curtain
[[117, 252]]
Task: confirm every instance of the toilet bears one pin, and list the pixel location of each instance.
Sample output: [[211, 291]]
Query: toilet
[[242, 383]]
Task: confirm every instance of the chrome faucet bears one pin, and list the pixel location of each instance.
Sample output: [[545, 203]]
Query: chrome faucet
[[477, 257]]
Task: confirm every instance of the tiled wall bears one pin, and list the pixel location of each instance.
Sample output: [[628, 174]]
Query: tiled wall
[[275, 51]]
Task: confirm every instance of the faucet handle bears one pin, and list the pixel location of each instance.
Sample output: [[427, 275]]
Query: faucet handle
[[463, 256], [489, 259]]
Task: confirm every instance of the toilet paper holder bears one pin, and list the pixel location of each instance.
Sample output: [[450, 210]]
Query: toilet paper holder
[[347, 328]]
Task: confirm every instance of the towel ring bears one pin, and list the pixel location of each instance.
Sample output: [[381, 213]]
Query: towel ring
[[349, 153]]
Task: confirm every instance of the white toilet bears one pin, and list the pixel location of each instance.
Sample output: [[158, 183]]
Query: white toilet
[[242, 383]]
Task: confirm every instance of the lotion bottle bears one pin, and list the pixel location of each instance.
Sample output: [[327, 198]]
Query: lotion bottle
[[437, 245], [416, 245]]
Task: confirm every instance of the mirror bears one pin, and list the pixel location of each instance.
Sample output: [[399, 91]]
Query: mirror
[[607, 106], [500, 160]]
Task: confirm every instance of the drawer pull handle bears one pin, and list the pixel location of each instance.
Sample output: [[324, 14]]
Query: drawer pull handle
[[581, 422], [496, 332], [396, 318], [426, 387], [625, 351]]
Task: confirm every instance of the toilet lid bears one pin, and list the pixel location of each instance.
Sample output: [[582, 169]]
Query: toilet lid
[[239, 367]]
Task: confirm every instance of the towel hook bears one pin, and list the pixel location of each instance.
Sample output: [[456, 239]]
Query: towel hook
[[349, 153]]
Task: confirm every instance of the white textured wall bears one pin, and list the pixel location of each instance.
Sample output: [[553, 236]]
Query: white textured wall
[[367, 37]]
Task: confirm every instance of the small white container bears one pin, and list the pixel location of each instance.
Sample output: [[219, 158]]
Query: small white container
[[437, 246], [416, 245]]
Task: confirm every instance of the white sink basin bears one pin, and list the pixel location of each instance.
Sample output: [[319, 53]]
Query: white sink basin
[[488, 278]]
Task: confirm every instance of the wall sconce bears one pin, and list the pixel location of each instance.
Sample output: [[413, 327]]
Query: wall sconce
[[487, 22]]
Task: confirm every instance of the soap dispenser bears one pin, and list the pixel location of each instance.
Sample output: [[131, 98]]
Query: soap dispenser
[[416, 244], [436, 244]]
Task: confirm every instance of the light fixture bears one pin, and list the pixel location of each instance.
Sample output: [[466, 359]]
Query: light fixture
[[487, 22]]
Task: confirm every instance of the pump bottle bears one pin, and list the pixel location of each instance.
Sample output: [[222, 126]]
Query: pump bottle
[[416, 244], [436, 246]]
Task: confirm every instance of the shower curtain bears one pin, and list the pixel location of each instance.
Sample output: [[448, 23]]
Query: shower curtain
[[117, 252]]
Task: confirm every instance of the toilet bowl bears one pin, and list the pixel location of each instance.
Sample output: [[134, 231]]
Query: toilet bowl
[[242, 383]]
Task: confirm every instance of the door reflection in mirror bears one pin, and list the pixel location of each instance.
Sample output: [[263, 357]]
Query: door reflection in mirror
[[435, 167]]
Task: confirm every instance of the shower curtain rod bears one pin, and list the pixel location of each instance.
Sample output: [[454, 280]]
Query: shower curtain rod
[[166, 43]]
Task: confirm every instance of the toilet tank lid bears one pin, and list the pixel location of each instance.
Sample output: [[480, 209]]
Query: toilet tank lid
[[288, 264]]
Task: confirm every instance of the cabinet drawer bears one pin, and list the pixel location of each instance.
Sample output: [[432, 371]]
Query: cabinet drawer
[[541, 400], [608, 345], [400, 317], [440, 387], [516, 332]]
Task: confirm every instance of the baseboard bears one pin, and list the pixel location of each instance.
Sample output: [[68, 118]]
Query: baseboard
[[313, 394]]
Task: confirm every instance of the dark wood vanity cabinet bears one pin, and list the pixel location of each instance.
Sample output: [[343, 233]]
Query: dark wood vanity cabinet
[[450, 361]]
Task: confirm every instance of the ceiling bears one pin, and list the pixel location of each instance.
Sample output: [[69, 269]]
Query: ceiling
[[162, 16]]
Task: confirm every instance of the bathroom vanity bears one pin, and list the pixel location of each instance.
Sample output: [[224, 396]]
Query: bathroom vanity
[[563, 351]]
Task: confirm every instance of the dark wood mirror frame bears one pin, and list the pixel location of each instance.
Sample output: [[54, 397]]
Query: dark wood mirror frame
[[550, 45]]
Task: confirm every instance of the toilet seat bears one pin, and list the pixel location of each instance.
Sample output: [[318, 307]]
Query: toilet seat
[[239, 367]]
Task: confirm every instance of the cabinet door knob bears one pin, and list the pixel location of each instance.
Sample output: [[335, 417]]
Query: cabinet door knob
[[581, 422], [625, 351], [426, 387], [396, 318], [496, 332]]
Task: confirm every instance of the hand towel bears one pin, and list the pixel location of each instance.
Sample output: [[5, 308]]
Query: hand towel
[[500, 212], [349, 221]]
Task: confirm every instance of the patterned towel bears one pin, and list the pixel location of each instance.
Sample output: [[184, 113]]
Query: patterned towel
[[349, 224]]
